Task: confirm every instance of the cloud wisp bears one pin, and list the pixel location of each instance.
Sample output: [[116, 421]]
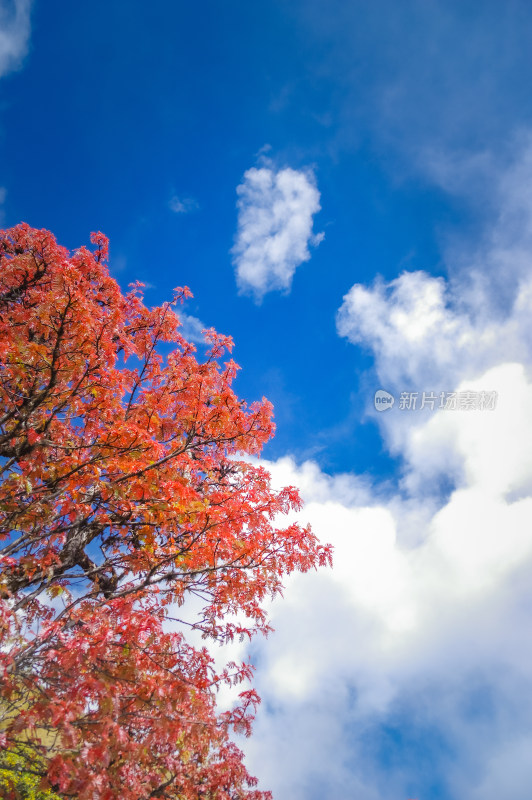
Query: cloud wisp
[[191, 328], [275, 220], [182, 205], [14, 34]]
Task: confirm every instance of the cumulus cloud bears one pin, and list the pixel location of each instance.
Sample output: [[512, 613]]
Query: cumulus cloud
[[14, 34], [410, 662], [423, 334], [275, 211], [427, 639]]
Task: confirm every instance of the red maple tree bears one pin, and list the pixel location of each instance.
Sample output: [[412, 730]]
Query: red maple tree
[[126, 489]]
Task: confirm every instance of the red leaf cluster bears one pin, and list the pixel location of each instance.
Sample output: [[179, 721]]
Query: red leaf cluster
[[125, 489]]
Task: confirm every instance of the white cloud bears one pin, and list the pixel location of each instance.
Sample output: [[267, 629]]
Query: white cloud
[[14, 34], [422, 627], [424, 334], [394, 620], [275, 211]]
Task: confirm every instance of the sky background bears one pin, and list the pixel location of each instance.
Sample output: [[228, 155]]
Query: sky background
[[346, 188]]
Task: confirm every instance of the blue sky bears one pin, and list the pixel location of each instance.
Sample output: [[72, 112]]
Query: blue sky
[[345, 187]]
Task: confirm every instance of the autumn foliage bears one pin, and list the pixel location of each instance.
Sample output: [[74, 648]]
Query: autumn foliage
[[126, 492]]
